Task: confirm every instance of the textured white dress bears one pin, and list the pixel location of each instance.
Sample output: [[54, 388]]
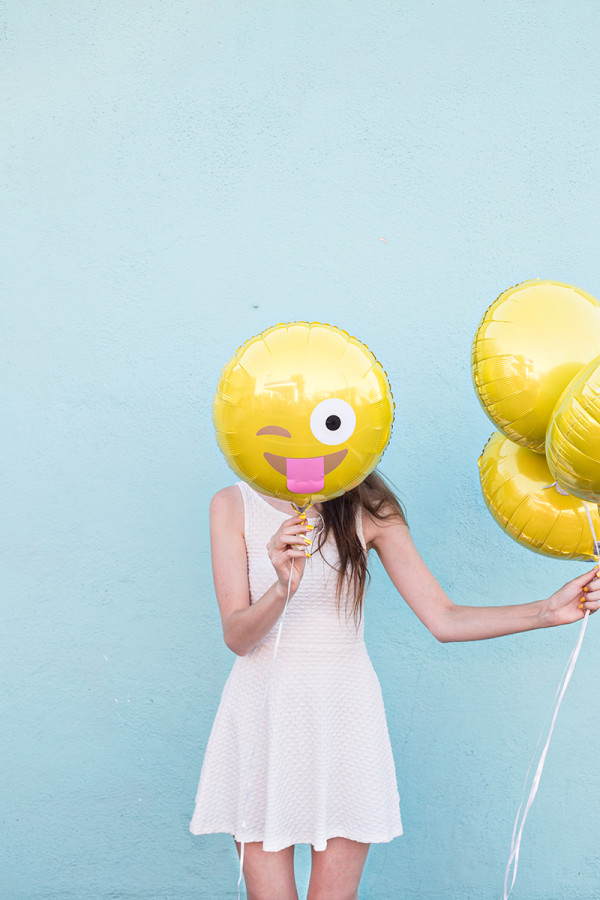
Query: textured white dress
[[323, 764]]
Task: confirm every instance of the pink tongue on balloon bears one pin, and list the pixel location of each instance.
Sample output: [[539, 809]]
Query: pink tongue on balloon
[[305, 476]]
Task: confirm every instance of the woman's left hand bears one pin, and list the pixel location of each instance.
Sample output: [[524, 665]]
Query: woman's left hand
[[571, 602]]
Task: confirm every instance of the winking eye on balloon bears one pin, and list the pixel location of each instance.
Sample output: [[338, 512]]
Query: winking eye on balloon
[[303, 412]]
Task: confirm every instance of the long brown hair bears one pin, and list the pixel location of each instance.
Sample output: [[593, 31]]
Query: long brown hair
[[376, 497]]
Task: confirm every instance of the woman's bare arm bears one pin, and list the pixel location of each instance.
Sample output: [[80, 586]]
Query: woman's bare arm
[[245, 624], [448, 621]]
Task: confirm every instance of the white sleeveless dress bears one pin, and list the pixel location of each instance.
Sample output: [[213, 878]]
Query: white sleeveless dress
[[323, 764]]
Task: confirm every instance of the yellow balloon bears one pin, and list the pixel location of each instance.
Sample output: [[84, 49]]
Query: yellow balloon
[[516, 485], [530, 344], [573, 440], [303, 412]]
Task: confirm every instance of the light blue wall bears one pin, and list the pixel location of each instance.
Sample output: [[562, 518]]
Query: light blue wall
[[177, 176]]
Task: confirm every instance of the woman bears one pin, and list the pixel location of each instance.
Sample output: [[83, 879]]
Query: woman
[[319, 768]]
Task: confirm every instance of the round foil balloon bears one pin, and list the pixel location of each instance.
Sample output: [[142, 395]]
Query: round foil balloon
[[573, 440], [530, 344], [519, 492], [303, 412]]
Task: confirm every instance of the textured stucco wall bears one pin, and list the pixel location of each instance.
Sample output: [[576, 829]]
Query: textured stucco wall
[[177, 176]]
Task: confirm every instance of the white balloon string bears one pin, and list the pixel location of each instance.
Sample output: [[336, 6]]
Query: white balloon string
[[596, 544], [317, 533], [515, 846], [513, 860]]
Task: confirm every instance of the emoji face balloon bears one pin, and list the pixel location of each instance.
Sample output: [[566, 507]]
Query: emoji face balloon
[[303, 412]]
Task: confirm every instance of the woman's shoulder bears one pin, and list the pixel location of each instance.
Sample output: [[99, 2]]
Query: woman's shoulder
[[227, 503], [382, 524]]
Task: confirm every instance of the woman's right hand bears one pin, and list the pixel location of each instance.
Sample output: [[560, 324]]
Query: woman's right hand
[[289, 546]]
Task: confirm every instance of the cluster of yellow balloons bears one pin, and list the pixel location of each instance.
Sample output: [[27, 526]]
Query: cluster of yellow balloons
[[536, 370]]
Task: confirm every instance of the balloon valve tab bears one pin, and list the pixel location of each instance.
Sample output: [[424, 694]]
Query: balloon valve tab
[[302, 510]]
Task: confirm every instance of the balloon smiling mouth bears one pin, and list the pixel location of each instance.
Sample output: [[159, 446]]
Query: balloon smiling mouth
[[305, 476]]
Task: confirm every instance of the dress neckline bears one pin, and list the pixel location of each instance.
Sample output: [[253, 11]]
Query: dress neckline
[[282, 512]]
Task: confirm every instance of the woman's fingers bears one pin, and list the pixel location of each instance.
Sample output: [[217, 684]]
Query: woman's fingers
[[592, 584], [589, 607], [287, 533], [299, 528], [592, 588], [590, 600], [288, 553], [588, 579], [589, 584], [294, 536], [288, 549]]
